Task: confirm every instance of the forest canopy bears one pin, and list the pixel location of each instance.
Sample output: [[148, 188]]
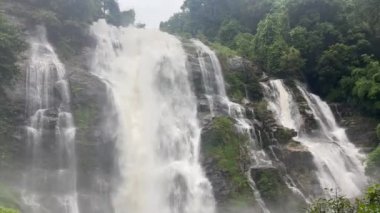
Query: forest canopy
[[332, 44]]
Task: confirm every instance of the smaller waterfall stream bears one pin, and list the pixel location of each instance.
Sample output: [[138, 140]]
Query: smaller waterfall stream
[[50, 182], [339, 163], [219, 103]]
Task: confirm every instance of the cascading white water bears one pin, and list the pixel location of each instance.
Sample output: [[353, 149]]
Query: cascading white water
[[219, 103], [338, 161], [158, 133], [50, 182]]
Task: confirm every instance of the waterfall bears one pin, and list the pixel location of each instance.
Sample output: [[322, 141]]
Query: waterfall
[[219, 104], [158, 136], [338, 161], [50, 181]]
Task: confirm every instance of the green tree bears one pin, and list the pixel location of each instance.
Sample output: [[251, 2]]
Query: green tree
[[291, 61], [305, 41], [367, 84], [127, 18], [373, 164], [321, 39], [370, 203], [333, 64], [367, 13], [269, 43], [338, 204], [179, 23], [244, 45], [11, 44], [228, 31]]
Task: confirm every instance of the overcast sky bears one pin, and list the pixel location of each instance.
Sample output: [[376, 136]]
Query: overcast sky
[[152, 12]]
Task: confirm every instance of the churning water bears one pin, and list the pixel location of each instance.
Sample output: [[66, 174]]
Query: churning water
[[339, 163], [50, 181], [158, 128], [158, 133]]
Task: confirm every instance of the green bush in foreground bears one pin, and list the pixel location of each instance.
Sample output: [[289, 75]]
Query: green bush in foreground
[[9, 200], [370, 203], [373, 163], [6, 210]]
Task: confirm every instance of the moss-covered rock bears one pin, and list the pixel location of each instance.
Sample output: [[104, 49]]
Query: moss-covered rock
[[373, 164], [300, 165], [263, 114], [225, 153], [274, 191], [241, 75], [284, 135], [269, 183]]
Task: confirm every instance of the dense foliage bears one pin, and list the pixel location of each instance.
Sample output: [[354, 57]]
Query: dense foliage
[[333, 44], [11, 44], [67, 22], [370, 203], [223, 143], [227, 148], [8, 200], [84, 10], [7, 210], [373, 164]]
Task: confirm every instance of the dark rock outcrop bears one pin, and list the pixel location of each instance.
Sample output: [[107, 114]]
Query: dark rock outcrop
[[274, 190], [95, 119], [360, 129]]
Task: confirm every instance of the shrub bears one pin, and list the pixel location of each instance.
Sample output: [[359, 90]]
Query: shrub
[[334, 205], [11, 45], [227, 147], [235, 87], [223, 51], [269, 185], [370, 203], [8, 199], [7, 210], [373, 163], [46, 17]]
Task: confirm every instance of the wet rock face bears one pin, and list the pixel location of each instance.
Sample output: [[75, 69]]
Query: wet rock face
[[95, 143], [309, 123], [235, 63], [299, 163], [239, 64], [290, 157], [222, 187], [278, 197], [219, 177], [360, 129], [12, 126]]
